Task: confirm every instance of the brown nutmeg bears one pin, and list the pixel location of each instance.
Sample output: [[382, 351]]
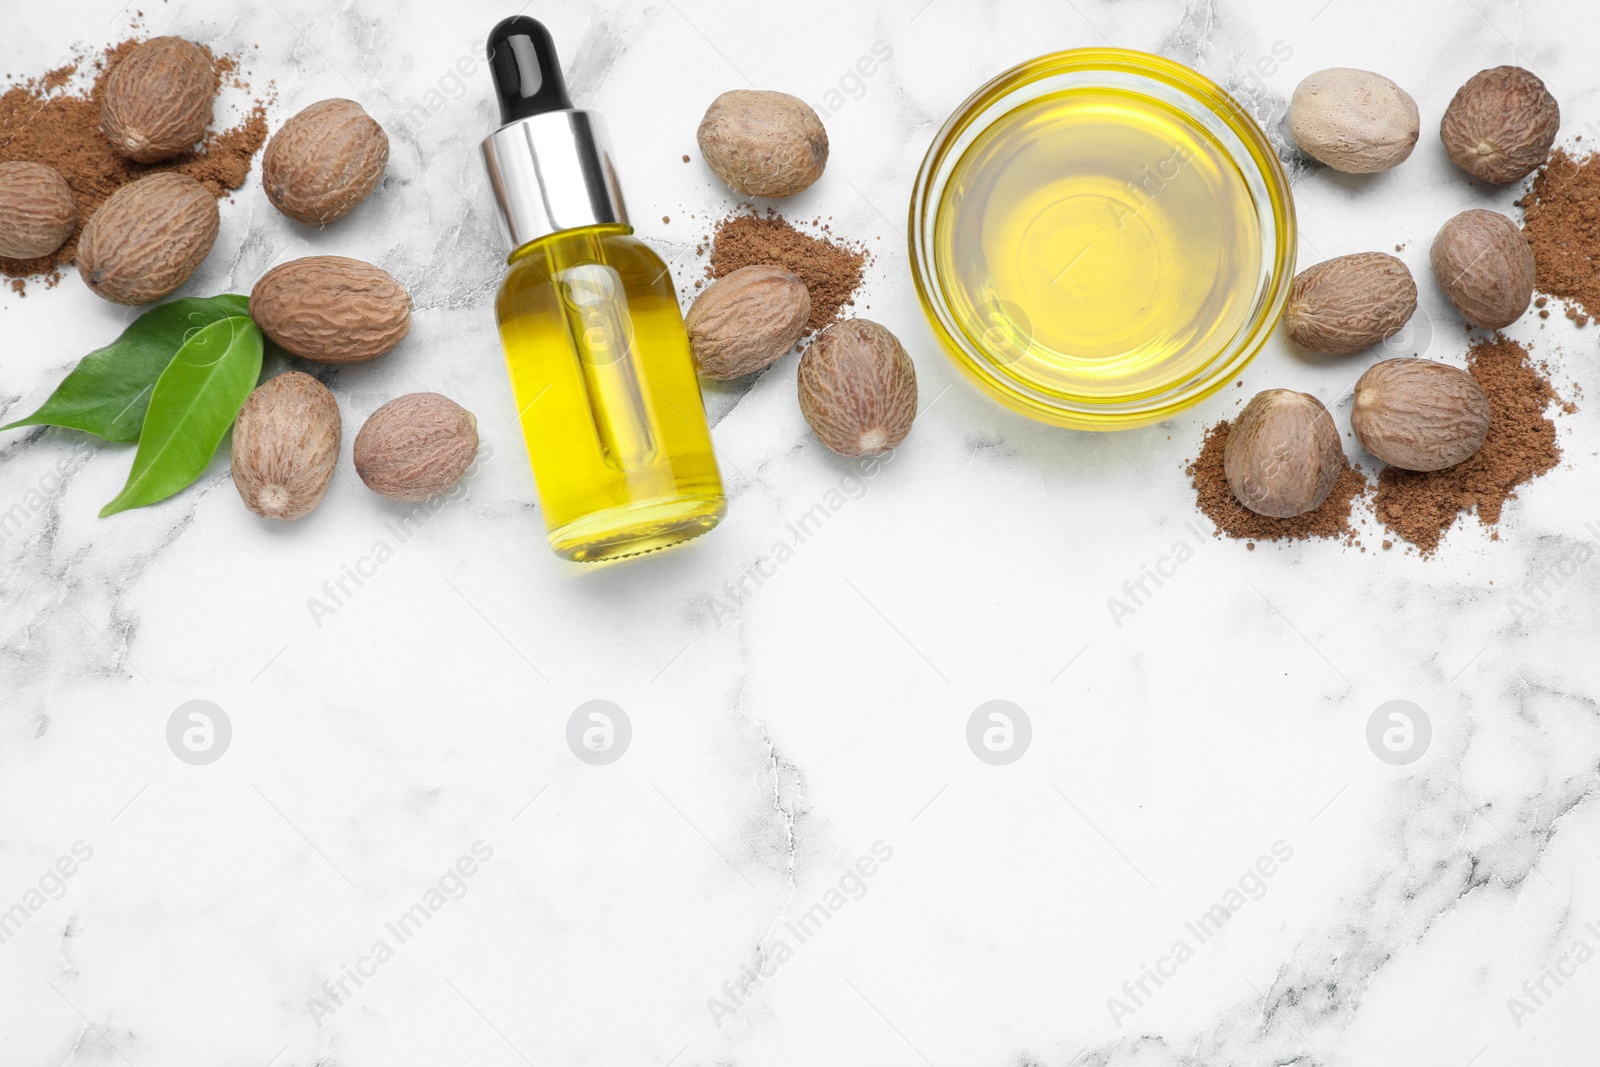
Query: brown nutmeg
[[1501, 124], [416, 446], [1283, 454], [1351, 303], [158, 99], [858, 388], [1484, 264], [285, 445], [331, 309], [37, 211], [148, 238], [324, 161], [763, 143], [1419, 415], [746, 320]]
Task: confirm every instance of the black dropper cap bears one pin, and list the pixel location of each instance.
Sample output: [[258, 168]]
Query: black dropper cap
[[527, 74], [574, 185]]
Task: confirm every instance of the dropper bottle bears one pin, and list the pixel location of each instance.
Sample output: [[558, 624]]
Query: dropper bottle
[[600, 366]]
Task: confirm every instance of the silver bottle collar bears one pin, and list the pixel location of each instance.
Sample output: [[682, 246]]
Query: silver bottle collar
[[553, 172]]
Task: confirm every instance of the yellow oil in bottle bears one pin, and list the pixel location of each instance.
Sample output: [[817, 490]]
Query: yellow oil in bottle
[[607, 397], [1107, 245]]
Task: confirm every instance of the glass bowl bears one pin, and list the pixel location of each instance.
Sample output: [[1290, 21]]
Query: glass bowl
[[996, 153]]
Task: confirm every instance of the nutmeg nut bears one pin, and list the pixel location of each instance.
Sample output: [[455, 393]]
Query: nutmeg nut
[[324, 161], [416, 446], [158, 99], [1485, 265], [148, 238], [1420, 415], [1353, 120], [746, 320], [331, 309], [858, 388], [37, 211], [1346, 305], [285, 445], [1501, 124], [1283, 454], [763, 143]]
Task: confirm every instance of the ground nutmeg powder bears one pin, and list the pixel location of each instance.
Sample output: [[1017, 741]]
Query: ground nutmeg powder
[[1233, 519], [1562, 223], [831, 270], [1416, 506], [1421, 506], [42, 121]]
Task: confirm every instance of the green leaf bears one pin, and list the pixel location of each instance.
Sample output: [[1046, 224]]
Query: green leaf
[[108, 391], [192, 405]]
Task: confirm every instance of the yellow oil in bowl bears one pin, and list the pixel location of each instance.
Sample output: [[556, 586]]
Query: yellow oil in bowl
[[1102, 238]]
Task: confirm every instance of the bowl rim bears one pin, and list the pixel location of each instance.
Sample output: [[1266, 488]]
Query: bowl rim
[[974, 361]]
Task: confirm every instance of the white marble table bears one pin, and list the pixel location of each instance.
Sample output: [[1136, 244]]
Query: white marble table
[[302, 899]]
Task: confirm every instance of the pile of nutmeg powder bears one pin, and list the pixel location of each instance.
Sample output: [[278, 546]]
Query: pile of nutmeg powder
[[42, 120], [1421, 506], [1416, 507], [832, 269], [1234, 520], [1562, 222]]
